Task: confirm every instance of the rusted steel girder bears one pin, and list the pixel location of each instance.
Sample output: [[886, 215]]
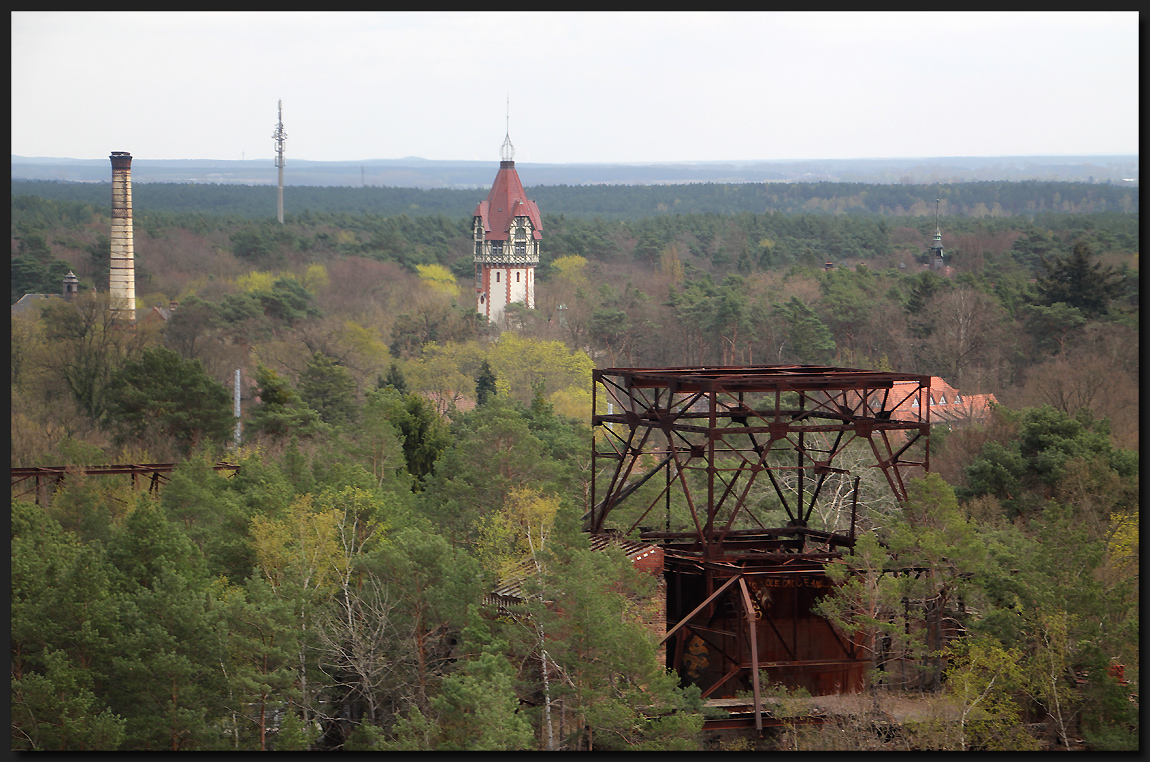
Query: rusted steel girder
[[41, 477], [733, 425]]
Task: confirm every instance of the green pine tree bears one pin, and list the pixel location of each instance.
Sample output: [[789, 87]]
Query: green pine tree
[[1079, 283], [484, 384], [329, 389]]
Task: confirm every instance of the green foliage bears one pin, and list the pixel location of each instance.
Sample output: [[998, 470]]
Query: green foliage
[[291, 735], [808, 340], [32, 273], [252, 243], [423, 432], [88, 348], [288, 301], [329, 389], [443, 209], [162, 395], [478, 710], [62, 596], [431, 585], [198, 499], [923, 286], [1028, 467], [1052, 326], [88, 507], [256, 628], [317, 579], [281, 412], [1110, 721], [57, 711], [864, 597], [148, 546], [484, 384], [601, 644], [1030, 248], [378, 442], [492, 452], [394, 378], [981, 677], [1078, 283]]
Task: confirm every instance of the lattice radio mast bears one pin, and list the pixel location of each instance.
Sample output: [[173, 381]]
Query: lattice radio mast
[[279, 136]]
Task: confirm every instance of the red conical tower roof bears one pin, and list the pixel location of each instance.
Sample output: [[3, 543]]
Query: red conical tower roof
[[506, 201]]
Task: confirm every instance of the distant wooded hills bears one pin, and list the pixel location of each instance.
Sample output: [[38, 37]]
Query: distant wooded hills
[[616, 202], [413, 172]]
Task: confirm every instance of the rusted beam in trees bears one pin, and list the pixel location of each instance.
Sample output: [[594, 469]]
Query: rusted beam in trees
[[750, 612], [157, 474]]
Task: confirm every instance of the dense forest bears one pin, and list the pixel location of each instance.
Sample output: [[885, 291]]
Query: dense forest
[[398, 457], [619, 202]]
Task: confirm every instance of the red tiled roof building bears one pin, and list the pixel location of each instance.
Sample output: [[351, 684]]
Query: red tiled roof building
[[506, 232], [947, 404]]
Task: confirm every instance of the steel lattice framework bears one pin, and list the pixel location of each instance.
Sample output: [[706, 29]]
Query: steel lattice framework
[[735, 425], [742, 594]]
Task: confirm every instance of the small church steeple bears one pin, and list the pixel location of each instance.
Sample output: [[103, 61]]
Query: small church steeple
[[936, 249]]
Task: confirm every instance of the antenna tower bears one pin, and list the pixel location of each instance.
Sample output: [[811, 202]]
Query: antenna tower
[[279, 136]]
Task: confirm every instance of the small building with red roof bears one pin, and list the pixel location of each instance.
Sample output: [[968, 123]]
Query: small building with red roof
[[947, 404]]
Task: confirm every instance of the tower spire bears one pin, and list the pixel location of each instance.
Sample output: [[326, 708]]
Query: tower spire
[[937, 229], [507, 150], [939, 261]]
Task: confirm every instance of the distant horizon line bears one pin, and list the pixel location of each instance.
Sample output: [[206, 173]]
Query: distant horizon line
[[681, 162]]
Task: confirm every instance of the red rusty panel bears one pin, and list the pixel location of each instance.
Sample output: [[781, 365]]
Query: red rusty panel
[[796, 647]]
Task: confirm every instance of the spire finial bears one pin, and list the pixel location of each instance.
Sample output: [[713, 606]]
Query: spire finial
[[507, 150]]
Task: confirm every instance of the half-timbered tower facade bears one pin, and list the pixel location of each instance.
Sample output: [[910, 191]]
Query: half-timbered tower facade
[[506, 234]]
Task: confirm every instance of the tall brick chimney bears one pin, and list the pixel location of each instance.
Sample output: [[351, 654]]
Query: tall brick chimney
[[122, 279]]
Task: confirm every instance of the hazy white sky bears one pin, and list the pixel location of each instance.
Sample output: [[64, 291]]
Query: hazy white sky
[[583, 87]]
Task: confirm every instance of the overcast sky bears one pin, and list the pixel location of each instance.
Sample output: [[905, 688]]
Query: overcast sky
[[583, 87]]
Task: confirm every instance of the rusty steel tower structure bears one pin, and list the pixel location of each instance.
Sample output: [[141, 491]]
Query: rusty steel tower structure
[[122, 277], [739, 450], [279, 136]]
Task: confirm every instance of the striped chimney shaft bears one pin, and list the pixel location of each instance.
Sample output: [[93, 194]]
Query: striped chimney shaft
[[122, 279]]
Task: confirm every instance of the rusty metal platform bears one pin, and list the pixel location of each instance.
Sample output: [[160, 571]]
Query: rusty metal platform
[[740, 592]]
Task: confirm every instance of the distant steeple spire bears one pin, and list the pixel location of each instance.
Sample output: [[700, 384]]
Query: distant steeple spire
[[939, 262], [507, 151], [937, 230]]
